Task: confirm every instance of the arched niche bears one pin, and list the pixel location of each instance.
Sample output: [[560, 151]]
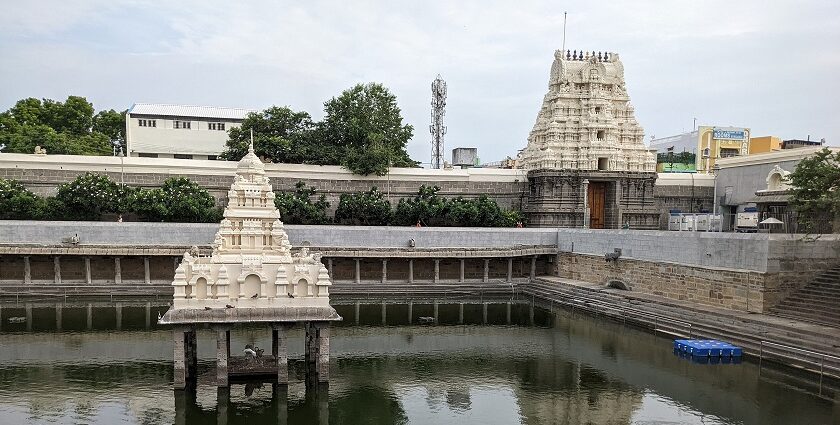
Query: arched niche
[[201, 288], [251, 285]]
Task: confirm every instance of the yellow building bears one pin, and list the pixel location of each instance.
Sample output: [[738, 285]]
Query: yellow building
[[765, 144], [707, 143]]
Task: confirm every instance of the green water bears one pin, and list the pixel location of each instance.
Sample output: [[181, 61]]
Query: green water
[[109, 367]]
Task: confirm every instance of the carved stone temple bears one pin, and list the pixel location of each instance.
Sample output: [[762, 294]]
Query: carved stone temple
[[252, 276], [586, 159]]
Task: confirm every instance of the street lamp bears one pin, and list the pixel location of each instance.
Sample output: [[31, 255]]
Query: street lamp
[[715, 170]]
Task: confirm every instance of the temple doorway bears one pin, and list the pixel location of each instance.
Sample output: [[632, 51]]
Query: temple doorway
[[597, 196]]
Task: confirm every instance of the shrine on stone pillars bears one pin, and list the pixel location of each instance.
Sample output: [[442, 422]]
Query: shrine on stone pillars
[[587, 162], [252, 276]]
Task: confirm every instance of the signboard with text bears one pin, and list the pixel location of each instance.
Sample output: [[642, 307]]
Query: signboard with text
[[729, 134]]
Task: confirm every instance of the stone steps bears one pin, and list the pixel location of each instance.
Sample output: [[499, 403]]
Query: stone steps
[[818, 301], [747, 333]]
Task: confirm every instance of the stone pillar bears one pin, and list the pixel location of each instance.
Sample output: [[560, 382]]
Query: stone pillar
[[58, 317], [118, 309], [533, 268], [322, 345], [191, 354], [437, 270], [358, 271], [357, 313], [507, 313], [222, 353], [57, 269], [88, 278], [117, 271], [484, 313], [147, 275], [411, 270], [279, 349], [461, 275], [280, 394], [486, 277], [148, 315], [89, 316], [384, 314], [585, 189], [435, 309], [531, 314], [384, 270], [179, 357], [28, 309], [461, 313], [222, 403], [27, 270], [330, 267], [510, 270]]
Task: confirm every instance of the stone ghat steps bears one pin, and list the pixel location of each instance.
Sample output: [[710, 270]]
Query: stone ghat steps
[[818, 301], [745, 332]]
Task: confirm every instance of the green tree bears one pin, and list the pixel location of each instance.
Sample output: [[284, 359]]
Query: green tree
[[815, 193], [366, 123], [110, 123], [427, 208], [363, 208], [178, 200], [16, 202], [297, 207], [280, 135]]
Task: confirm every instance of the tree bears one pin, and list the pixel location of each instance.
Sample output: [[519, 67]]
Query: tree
[[16, 202], [363, 208], [815, 193], [298, 208], [280, 135], [110, 123], [367, 124], [59, 127], [427, 208]]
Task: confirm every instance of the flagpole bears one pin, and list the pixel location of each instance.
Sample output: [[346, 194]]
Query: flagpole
[[564, 32]]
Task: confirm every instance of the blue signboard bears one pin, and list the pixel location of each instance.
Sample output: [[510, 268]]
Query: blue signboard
[[729, 134]]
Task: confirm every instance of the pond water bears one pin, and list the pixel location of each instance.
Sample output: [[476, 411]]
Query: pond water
[[105, 365]]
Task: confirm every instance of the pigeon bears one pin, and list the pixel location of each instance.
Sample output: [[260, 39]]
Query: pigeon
[[228, 306], [206, 308], [290, 294], [255, 295]]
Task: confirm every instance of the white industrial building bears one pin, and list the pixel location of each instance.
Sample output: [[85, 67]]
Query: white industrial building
[[179, 131]]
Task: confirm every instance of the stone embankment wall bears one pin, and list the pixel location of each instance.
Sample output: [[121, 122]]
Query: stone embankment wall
[[43, 173], [738, 271]]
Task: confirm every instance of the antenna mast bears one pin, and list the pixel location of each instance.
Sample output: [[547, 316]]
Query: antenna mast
[[563, 49], [437, 128]]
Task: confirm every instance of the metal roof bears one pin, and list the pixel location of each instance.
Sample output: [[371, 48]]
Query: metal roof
[[161, 109]]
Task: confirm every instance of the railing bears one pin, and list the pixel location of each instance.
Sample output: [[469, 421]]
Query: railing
[[813, 354]]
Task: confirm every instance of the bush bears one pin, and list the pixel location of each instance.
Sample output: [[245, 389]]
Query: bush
[[178, 200], [90, 196], [16, 202], [364, 208], [298, 208]]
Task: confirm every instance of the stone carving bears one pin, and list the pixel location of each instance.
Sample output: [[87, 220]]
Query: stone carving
[[252, 247], [586, 121]]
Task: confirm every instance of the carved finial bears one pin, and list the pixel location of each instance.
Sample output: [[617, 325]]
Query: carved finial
[[606, 57], [600, 58], [251, 145], [574, 56], [568, 55]]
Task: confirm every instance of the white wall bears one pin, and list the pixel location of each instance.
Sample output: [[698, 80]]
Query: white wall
[[165, 139]]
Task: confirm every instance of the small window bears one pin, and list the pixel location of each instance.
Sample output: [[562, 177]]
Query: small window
[[147, 123], [147, 155], [597, 110], [216, 126], [183, 156], [212, 157], [603, 164], [182, 124], [600, 134]]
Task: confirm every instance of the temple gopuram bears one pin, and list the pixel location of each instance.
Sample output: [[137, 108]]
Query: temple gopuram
[[586, 160]]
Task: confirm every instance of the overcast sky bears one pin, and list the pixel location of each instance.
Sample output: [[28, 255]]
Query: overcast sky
[[773, 66]]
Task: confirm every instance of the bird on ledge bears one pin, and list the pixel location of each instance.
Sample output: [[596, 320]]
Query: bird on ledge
[[206, 308], [255, 295], [290, 294], [228, 306]]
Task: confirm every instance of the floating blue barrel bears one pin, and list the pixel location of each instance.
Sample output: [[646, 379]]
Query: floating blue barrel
[[707, 348]]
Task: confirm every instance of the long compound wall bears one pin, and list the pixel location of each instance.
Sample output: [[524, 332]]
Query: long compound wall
[[737, 271], [43, 173]]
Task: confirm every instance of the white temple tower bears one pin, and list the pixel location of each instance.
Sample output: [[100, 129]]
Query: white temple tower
[[588, 165]]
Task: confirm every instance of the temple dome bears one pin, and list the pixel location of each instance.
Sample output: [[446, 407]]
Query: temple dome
[[250, 163]]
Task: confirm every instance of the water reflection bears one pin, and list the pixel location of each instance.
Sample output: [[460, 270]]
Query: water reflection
[[565, 368]]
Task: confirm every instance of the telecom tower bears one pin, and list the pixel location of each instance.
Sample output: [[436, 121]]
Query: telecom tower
[[437, 128]]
